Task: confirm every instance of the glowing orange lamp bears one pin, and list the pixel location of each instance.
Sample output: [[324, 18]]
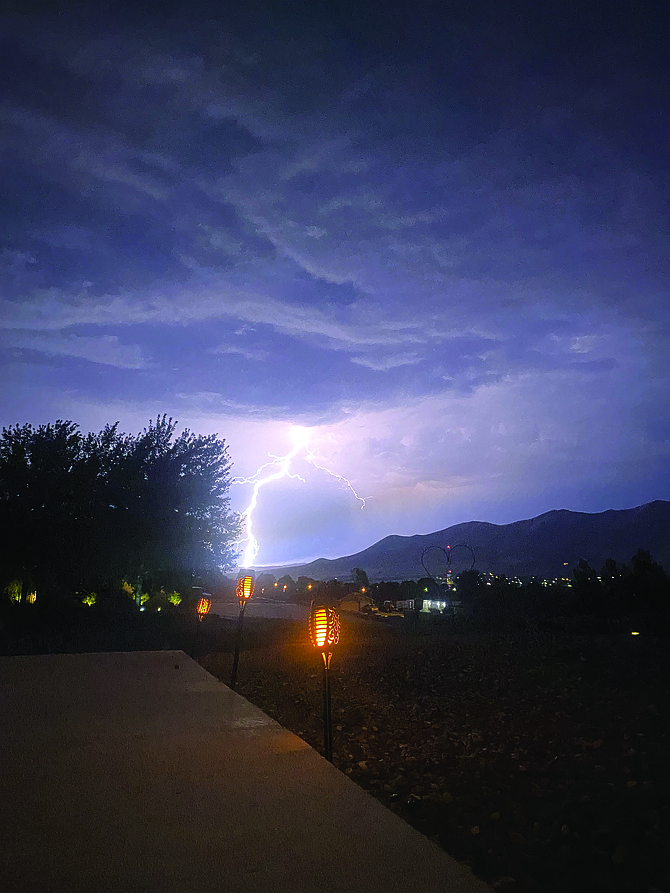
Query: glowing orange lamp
[[244, 590], [324, 631], [203, 607]]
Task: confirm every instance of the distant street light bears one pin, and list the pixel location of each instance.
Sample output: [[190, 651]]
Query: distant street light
[[244, 591], [324, 631]]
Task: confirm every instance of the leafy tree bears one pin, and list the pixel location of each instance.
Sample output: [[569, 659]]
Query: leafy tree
[[409, 589], [385, 591], [171, 509], [584, 575], [588, 590], [470, 584], [428, 588], [650, 585], [610, 573], [265, 581], [330, 591], [306, 584], [79, 512], [14, 590], [615, 580], [360, 578], [42, 508], [286, 584]]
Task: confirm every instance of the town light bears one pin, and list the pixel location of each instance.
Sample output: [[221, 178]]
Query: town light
[[203, 607], [244, 590], [324, 632]]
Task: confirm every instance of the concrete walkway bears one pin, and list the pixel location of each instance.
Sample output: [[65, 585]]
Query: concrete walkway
[[141, 772]]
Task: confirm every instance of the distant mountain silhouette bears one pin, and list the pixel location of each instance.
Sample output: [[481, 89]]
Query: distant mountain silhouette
[[547, 546]]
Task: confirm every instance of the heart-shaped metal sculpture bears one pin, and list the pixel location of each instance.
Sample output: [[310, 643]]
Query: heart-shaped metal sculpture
[[448, 552]]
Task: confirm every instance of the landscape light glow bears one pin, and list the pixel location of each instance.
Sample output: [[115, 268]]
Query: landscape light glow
[[277, 468]]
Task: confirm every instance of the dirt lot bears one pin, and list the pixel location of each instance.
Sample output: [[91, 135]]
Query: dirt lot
[[541, 761]]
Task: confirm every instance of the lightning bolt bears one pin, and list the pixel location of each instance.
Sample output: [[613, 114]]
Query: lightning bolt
[[309, 455], [276, 468]]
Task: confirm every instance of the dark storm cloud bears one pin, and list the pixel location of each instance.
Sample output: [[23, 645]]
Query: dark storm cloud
[[442, 232]]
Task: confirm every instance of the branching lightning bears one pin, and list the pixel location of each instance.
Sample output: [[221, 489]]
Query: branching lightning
[[309, 455], [276, 468]]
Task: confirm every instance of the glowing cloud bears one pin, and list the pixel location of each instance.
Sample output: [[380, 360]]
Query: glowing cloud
[[275, 469]]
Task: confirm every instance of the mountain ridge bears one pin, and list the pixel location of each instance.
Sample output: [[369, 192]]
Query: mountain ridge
[[548, 545]]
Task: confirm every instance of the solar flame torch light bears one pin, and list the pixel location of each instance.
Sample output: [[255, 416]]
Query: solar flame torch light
[[202, 608], [324, 631], [244, 591]]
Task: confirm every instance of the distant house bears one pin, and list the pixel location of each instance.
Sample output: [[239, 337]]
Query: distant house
[[354, 602]]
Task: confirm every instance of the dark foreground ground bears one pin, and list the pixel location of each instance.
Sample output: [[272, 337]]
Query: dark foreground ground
[[541, 761]]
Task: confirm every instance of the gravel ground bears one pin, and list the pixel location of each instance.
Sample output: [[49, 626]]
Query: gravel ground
[[540, 761]]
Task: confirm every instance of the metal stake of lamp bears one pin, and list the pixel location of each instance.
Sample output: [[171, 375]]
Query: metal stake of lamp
[[324, 631], [244, 591]]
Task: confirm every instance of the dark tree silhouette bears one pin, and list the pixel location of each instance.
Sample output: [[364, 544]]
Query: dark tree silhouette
[[469, 586], [360, 578], [588, 591], [286, 585], [649, 584], [82, 511]]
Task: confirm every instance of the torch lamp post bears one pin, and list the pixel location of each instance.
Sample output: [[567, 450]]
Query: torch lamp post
[[202, 608], [244, 591], [324, 631]]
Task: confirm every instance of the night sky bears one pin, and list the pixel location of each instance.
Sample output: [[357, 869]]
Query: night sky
[[435, 238]]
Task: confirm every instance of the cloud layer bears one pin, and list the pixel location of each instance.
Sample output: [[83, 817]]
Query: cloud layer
[[443, 249]]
